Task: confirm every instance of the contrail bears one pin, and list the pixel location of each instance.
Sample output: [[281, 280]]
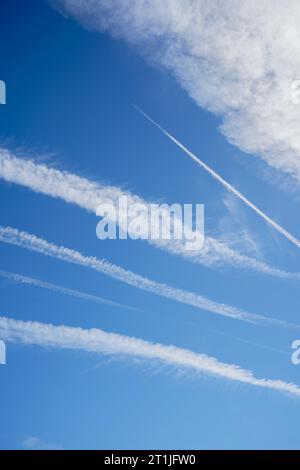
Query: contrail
[[19, 278], [224, 183], [62, 290], [88, 195], [112, 344], [33, 243]]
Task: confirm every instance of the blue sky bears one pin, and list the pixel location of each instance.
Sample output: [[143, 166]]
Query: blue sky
[[69, 105]]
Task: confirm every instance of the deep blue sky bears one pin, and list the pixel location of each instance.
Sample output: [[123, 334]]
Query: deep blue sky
[[69, 103]]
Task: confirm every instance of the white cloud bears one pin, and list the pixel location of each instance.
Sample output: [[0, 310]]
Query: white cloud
[[237, 58], [99, 341], [35, 443], [33, 243], [88, 195]]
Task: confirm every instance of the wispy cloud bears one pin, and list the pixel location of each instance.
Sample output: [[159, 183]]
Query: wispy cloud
[[99, 341], [89, 195], [238, 59], [31, 242], [225, 183], [35, 443], [234, 230], [19, 278]]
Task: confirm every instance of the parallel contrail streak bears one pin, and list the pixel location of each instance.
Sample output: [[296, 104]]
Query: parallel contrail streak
[[33, 243], [112, 344], [227, 185], [88, 195], [19, 278], [61, 290]]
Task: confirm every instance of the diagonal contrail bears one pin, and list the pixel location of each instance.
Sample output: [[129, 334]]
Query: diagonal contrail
[[33, 243], [21, 279], [118, 345], [88, 194], [221, 180], [62, 290]]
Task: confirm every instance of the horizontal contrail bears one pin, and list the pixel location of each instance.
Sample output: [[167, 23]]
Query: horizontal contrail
[[33, 243], [62, 290], [88, 195], [102, 342], [221, 180]]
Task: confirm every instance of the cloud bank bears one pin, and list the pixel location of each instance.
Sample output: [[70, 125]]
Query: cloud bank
[[99, 341], [237, 58]]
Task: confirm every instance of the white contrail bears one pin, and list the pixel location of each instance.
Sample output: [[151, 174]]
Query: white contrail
[[33, 243], [99, 341], [221, 180], [62, 290], [19, 278], [88, 195]]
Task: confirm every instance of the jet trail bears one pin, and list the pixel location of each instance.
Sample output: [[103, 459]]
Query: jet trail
[[224, 183], [33, 243], [118, 345], [88, 195], [19, 278], [62, 290]]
